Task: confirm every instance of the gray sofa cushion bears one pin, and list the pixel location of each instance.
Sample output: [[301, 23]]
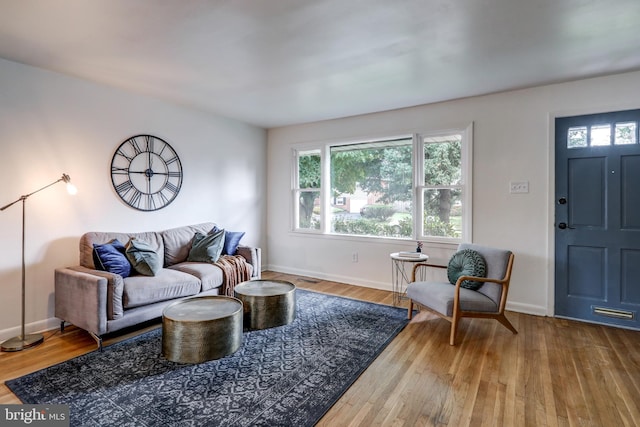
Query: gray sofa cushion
[[440, 297], [177, 241], [167, 284], [210, 275]]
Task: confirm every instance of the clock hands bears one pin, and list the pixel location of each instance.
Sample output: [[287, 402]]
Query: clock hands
[[133, 166], [149, 173]]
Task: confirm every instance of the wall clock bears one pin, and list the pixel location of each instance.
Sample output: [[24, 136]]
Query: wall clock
[[146, 172]]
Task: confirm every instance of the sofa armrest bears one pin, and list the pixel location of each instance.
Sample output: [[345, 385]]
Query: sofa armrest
[[81, 299], [254, 257]]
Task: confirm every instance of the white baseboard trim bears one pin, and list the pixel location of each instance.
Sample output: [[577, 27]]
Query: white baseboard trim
[[511, 306], [519, 307], [332, 277], [40, 326]]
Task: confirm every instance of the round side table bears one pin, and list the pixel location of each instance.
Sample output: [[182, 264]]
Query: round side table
[[401, 268]]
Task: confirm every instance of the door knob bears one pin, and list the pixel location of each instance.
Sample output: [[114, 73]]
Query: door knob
[[562, 225], [562, 201]]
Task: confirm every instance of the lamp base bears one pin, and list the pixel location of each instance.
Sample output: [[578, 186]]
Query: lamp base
[[20, 343]]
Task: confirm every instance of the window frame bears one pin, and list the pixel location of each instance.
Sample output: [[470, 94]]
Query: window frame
[[466, 146], [418, 186]]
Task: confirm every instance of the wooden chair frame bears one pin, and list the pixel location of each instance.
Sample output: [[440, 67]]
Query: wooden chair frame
[[458, 313]]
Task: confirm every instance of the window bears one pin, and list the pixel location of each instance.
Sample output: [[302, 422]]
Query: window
[[376, 181], [624, 133], [406, 187], [442, 188], [307, 190]]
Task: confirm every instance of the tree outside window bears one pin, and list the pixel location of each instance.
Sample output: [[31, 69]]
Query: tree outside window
[[370, 189]]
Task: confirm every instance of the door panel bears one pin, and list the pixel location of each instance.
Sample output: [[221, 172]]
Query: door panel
[[631, 273], [597, 218], [587, 189], [630, 192]]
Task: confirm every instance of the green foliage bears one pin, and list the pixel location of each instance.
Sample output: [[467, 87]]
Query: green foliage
[[433, 226], [349, 168], [442, 166], [405, 227], [309, 170], [442, 163], [371, 227], [379, 212], [391, 175]]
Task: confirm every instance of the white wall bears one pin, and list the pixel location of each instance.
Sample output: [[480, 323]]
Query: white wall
[[50, 124], [513, 141]]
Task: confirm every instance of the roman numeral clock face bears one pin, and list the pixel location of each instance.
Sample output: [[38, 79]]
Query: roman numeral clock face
[[146, 172]]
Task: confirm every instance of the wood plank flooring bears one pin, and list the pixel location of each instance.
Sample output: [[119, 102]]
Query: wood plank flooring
[[553, 373]]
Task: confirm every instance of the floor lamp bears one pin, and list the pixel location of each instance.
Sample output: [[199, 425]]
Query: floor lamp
[[25, 341]]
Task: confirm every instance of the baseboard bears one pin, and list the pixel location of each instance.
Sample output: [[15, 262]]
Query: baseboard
[[519, 307], [30, 328], [511, 306], [332, 277]]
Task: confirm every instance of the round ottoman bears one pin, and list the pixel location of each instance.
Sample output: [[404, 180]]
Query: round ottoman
[[198, 329], [267, 303]]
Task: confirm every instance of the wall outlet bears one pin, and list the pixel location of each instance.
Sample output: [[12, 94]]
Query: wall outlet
[[519, 187], [354, 257]]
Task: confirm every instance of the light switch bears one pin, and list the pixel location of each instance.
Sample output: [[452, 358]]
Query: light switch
[[519, 187]]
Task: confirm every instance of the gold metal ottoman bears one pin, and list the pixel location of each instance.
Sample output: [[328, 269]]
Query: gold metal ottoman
[[267, 303], [198, 329]]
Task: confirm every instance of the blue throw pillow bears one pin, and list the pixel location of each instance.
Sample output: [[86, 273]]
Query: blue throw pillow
[[111, 257], [231, 240], [206, 248], [143, 257]]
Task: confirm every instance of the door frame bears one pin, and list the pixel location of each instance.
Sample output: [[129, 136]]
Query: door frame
[[551, 190]]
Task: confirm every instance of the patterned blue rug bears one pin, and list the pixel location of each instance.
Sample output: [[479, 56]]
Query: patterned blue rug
[[285, 376]]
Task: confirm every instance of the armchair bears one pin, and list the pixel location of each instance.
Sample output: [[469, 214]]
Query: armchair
[[453, 302]]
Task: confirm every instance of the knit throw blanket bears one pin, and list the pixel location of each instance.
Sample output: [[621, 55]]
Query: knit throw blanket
[[235, 269]]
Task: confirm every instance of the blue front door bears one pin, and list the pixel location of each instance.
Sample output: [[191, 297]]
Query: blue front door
[[597, 218]]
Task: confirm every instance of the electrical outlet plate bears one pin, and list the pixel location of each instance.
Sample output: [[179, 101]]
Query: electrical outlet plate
[[519, 187]]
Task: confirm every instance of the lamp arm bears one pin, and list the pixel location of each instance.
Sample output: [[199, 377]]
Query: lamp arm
[[64, 178]]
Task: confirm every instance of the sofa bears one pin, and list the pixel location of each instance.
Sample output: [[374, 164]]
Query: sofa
[[102, 302]]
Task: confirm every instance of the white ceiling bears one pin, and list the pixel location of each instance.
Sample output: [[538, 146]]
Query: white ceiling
[[279, 62]]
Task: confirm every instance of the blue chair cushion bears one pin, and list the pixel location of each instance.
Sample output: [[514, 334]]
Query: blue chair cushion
[[467, 262]]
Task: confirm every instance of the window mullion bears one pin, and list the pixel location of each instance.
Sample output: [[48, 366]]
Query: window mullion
[[418, 183], [325, 189]]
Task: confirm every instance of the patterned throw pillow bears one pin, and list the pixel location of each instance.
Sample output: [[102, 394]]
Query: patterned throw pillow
[[467, 262]]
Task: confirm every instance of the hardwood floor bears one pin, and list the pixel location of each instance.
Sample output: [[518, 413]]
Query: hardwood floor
[[553, 373]]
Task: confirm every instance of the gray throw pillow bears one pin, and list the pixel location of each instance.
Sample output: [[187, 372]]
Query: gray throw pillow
[[206, 248], [467, 262], [143, 257]]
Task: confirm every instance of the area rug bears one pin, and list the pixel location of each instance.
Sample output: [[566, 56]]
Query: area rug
[[285, 376]]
